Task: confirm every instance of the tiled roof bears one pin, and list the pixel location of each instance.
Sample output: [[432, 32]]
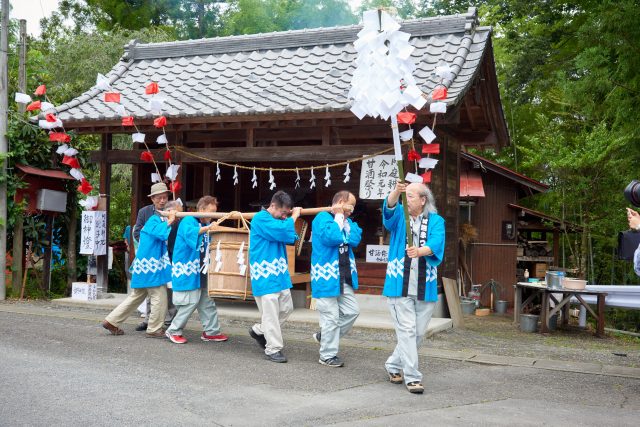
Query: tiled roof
[[274, 73], [47, 173]]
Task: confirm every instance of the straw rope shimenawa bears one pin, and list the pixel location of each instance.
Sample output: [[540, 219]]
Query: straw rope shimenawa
[[306, 168]]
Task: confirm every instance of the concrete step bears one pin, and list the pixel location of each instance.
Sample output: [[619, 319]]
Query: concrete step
[[373, 314]]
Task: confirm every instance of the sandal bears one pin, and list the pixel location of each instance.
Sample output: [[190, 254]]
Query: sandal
[[395, 377], [415, 387]]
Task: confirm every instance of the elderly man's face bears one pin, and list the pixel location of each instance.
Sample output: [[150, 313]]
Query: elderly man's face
[[159, 200], [209, 208], [415, 201], [352, 202]]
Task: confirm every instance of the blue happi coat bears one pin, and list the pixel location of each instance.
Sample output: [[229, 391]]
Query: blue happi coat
[[326, 238], [268, 253], [393, 220], [151, 266], [185, 271]]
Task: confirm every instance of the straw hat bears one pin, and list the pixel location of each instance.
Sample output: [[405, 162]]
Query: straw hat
[[159, 188]]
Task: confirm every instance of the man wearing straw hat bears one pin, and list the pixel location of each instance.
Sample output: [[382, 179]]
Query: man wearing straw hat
[[411, 280], [159, 198], [150, 271], [334, 275], [190, 265], [271, 231]]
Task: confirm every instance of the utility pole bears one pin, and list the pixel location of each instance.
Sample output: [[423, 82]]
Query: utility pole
[[18, 233], [4, 145]]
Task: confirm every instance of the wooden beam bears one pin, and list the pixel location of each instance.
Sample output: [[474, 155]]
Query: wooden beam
[[105, 198], [273, 121], [257, 154], [326, 135]]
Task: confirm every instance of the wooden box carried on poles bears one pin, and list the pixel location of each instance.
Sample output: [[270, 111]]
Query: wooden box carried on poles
[[228, 281]]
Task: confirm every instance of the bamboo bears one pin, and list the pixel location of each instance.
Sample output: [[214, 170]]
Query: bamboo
[[238, 215]]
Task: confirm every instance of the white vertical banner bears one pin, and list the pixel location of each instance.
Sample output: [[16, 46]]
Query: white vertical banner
[[378, 177], [93, 233], [88, 232], [102, 235]]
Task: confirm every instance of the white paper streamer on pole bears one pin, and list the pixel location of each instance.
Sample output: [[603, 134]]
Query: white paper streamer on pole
[[272, 180], [297, 178], [62, 148], [347, 174], [207, 255], [218, 176], [89, 203], [162, 139], [46, 106], [102, 82], [254, 179], [327, 176], [312, 180], [383, 64], [23, 98], [70, 152]]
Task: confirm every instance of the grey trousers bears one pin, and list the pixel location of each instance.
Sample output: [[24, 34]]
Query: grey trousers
[[186, 303], [411, 318], [337, 316], [275, 309]]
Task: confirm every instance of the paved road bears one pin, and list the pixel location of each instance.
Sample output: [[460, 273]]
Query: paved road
[[60, 368]]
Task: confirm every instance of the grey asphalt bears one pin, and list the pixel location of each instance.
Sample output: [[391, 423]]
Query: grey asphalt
[[60, 368]]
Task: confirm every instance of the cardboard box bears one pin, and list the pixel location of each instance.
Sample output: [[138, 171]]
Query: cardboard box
[[539, 270], [84, 291]]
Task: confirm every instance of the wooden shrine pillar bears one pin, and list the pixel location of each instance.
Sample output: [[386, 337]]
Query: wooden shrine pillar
[[102, 261]]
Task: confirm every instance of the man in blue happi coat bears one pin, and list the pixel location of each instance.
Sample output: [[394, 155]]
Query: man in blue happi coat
[[411, 280], [334, 276], [150, 271], [190, 261], [271, 231]]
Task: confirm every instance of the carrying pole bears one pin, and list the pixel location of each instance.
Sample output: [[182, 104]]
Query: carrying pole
[[237, 215]]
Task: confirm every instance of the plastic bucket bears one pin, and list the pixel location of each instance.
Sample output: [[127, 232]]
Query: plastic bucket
[[501, 306], [529, 322], [468, 307]]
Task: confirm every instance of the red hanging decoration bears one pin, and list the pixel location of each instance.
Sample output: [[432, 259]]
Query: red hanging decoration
[[51, 118], [406, 118], [413, 155], [431, 149], [167, 155], [175, 186], [112, 97], [72, 162], [426, 177], [127, 121], [439, 93], [152, 88], [146, 156], [85, 187], [41, 90], [160, 122], [59, 137], [35, 105]]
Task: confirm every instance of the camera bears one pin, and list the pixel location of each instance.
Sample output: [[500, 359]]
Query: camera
[[632, 193]]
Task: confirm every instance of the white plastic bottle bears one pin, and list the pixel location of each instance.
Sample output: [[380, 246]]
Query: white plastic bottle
[[526, 274]]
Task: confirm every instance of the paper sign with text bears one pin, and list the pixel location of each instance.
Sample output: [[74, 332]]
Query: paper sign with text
[[377, 253], [378, 177]]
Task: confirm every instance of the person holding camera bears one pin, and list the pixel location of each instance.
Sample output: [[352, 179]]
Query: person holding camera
[[634, 223]]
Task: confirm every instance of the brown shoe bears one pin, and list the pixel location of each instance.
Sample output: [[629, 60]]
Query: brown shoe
[[157, 334], [395, 377], [415, 387], [113, 329]]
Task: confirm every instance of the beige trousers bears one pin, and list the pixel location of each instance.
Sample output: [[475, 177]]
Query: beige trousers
[[158, 298], [275, 310]]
